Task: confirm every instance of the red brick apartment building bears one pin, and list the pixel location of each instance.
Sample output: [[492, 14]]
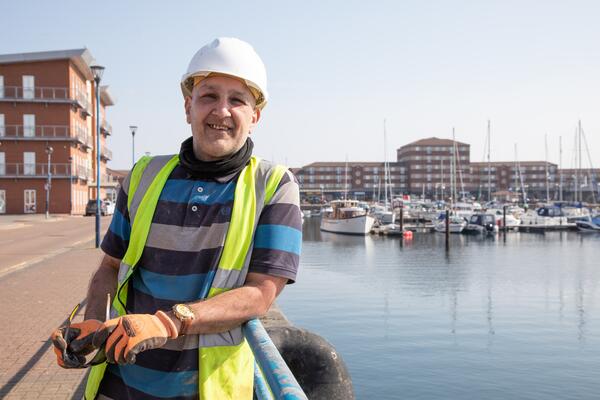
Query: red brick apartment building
[[586, 181], [361, 180], [429, 162], [511, 176], [47, 100], [424, 167]]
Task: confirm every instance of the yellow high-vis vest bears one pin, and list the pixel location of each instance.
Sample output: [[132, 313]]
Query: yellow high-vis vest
[[226, 363]]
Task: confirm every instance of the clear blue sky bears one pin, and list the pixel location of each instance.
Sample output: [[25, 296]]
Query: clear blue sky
[[338, 68]]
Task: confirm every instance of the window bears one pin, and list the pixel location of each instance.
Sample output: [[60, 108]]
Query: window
[[28, 87], [2, 201], [29, 197], [28, 163], [28, 125], [1, 86], [2, 127], [2, 164]]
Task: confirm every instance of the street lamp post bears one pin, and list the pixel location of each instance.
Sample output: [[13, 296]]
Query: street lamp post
[[49, 151], [71, 184], [133, 129], [97, 71]]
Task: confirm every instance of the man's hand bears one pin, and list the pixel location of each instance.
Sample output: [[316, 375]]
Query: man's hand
[[71, 350], [131, 334]]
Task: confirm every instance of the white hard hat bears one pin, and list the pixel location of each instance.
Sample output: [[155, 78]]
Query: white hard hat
[[229, 56]]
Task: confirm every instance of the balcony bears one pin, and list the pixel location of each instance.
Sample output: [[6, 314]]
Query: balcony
[[105, 128], [83, 173], [38, 132], [22, 170], [106, 153], [40, 94]]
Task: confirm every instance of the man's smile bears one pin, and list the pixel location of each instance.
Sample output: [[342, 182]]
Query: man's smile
[[219, 127]]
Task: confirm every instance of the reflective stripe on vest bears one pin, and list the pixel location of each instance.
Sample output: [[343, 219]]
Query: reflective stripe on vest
[[226, 363]]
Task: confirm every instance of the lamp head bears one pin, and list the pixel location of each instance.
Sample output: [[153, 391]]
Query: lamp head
[[133, 129], [97, 71]]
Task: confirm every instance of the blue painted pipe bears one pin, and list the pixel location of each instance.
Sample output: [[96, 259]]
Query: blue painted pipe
[[281, 382]]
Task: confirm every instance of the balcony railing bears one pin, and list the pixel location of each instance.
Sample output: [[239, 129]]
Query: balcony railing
[[41, 171], [39, 132], [46, 95], [35, 170], [105, 127], [106, 153], [36, 93]]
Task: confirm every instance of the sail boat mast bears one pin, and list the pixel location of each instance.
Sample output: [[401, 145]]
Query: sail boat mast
[[546, 163], [579, 186], [520, 176], [385, 167], [560, 181], [489, 162]]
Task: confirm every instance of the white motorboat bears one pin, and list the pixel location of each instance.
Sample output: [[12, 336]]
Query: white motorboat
[[512, 222], [347, 217], [545, 217], [456, 224]]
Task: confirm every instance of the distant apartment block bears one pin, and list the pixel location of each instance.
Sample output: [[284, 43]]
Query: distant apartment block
[[586, 180], [431, 163], [47, 101], [359, 179], [429, 166], [512, 177]]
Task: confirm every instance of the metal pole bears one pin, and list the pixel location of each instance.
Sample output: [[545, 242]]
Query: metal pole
[[401, 219], [504, 218], [97, 81], [447, 228], [70, 185], [48, 182]]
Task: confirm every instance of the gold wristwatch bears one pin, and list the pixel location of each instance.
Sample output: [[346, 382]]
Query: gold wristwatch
[[185, 315]]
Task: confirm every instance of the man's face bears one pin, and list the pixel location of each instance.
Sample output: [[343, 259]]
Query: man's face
[[222, 113]]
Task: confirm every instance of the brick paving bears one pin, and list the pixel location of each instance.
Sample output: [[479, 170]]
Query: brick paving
[[36, 300]]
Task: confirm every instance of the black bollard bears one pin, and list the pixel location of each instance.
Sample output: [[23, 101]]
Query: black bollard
[[317, 366], [504, 228], [401, 219]]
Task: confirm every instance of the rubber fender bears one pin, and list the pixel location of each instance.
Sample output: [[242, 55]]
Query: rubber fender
[[315, 363]]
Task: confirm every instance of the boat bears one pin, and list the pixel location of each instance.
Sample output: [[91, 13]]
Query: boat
[[589, 224], [481, 223], [456, 224], [512, 222], [546, 217], [347, 217]]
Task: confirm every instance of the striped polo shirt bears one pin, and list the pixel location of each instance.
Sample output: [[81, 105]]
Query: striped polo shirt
[[177, 265]]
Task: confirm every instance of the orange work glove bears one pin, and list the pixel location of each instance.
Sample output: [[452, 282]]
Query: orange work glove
[[131, 334], [71, 350]]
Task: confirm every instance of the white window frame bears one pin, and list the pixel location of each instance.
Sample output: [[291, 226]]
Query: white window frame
[[2, 201], [1, 86], [2, 163], [28, 87], [28, 163], [28, 125], [2, 126], [27, 209]]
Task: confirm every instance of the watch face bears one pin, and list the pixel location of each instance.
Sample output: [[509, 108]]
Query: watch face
[[184, 311]]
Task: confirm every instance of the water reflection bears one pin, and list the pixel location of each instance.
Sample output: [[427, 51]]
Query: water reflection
[[504, 315]]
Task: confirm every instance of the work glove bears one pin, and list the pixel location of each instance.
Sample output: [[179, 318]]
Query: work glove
[[71, 350], [129, 335]]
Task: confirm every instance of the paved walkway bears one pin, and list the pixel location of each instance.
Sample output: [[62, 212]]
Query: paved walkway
[[36, 299]]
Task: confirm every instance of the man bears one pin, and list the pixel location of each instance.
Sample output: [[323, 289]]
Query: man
[[200, 243]]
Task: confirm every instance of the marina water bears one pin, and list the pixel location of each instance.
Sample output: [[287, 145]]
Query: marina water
[[514, 317]]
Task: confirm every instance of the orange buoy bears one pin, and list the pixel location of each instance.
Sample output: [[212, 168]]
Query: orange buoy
[[407, 235]]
